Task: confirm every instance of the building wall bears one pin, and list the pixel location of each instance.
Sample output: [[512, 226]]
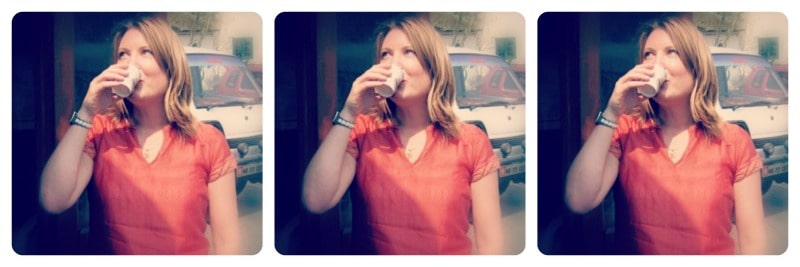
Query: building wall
[[238, 25], [761, 25], [496, 25], [234, 25]]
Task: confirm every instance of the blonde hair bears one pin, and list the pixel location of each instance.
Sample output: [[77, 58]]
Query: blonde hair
[[432, 55], [696, 57], [168, 51]]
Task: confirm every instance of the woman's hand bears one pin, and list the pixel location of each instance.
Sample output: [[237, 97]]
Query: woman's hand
[[625, 97], [362, 95], [99, 95]]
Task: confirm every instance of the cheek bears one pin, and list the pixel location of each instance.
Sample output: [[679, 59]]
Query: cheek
[[425, 81]]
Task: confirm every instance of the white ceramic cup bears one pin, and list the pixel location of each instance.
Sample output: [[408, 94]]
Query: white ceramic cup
[[654, 84], [126, 87], [388, 88]]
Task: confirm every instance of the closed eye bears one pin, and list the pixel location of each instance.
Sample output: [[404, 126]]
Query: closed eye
[[672, 51]]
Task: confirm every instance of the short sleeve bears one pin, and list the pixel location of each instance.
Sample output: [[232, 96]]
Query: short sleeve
[[623, 126], [352, 140], [98, 124], [745, 160], [220, 158], [483, 159]]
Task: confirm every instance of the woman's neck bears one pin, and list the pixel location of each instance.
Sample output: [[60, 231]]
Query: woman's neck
[[413, 117], [676, 117], [151, 117]]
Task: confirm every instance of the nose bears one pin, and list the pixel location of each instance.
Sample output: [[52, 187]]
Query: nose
[[133, 60], [397, 61]]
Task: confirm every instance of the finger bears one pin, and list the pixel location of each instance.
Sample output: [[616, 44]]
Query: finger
[[637, 77], [647, 71], [382, 69], [110, 75], [120, 69], [377, 75], [634, 84], [385, 64], [369, 85], [107, 84]]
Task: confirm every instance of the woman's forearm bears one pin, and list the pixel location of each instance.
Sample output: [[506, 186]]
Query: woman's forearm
[[588, 172], [60, 176], [323, 178]]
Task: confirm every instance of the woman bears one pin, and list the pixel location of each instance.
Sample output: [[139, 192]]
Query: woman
[[419, 173], [685, 172], [156, 172]]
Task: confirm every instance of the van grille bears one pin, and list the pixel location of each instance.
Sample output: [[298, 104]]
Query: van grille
[[513, 141], [778, 140], [251, 140]]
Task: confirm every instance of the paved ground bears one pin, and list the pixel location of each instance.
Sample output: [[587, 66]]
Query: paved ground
[[250, 219], [512, 203], [776, 219]]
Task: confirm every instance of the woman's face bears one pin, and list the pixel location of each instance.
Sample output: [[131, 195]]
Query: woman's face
[[660, 50], [153, 82], [396, 49]]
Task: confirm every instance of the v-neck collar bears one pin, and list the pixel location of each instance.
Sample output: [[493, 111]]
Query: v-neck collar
[[664, 150], [400, 148], [167, 138]]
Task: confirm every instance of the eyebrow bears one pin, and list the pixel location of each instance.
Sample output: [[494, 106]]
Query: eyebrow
[[648, 49], [401, 48], [122, 49]]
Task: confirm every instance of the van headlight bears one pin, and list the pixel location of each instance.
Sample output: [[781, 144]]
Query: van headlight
[[242, 148], [786, 145], [505, 148], [768, 148]]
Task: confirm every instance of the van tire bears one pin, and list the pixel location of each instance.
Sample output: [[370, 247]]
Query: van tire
[[766, 183], [503, 185], [240, 184]]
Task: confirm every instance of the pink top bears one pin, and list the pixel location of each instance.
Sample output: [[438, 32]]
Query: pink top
[[416, 208], [159, 207], [684, 207]]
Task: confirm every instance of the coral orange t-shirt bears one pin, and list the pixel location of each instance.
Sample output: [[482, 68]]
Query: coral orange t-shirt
[[159, 207], [685, 207], [416, 208]]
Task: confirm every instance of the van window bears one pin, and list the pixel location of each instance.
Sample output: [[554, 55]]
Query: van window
[[483, 80], [219, 80], [746, 80]]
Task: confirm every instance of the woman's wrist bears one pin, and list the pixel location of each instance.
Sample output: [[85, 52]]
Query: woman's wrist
[[611, 114], [85, 114], [347, 114]]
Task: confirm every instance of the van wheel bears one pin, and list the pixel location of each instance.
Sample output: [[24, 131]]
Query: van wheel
[[503, 184], [240, 184], [765, 185]]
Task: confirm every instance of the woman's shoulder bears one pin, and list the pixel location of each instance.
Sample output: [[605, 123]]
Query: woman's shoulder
[[107, 123], [369, 123], [732, 132], [207, 131], [470, 129], [469, 132], [630, 123]]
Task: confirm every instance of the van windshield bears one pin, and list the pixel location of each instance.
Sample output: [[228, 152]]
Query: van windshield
[[746, 80], [483, 80], [219, 80]]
